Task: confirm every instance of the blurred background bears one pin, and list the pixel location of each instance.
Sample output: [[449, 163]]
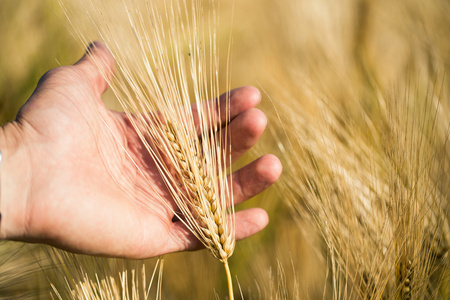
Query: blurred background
[[307, 57]]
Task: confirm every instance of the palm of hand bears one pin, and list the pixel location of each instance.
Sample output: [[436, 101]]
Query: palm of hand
[[96, 198], [87, 195]]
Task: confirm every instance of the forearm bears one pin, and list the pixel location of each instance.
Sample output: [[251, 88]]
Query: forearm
[[15, 182]]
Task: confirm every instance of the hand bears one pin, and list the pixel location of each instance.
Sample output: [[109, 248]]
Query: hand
[[67, 180]]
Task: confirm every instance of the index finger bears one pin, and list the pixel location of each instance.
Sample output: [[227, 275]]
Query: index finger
[[241, 99]]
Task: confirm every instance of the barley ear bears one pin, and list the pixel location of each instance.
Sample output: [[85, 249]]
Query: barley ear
[[167, 61]]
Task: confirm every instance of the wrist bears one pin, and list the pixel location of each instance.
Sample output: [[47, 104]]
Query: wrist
[[15, 181]]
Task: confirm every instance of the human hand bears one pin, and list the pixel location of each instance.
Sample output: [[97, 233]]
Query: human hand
[[67, 179]]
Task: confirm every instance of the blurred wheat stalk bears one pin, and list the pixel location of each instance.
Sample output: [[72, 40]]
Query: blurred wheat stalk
[[379, 194], [91, 278], [369, 162]]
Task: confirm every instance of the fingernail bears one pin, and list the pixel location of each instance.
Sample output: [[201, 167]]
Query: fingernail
[[90, 48]]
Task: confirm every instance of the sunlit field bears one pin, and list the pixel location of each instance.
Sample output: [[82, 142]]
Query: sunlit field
[[357, 96]]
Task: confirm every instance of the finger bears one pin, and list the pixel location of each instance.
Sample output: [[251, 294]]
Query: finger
[[248, 223], [240, 99], [255, 177], [244, 131], [97, 66], [215, 111]]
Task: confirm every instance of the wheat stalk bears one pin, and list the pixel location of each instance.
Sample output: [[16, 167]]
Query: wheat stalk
[[380, 202], [167, 61], [88, 277], [203, 205], [367, 162], [205, 213]]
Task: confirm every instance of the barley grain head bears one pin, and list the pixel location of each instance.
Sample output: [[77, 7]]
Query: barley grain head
[[167, 62]]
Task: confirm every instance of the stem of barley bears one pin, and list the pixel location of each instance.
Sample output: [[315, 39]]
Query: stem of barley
[[230, 282]]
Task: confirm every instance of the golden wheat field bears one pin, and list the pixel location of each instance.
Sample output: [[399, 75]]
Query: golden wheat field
[[357, 96]]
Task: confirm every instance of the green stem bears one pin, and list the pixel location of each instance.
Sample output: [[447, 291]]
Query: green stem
[[230, 282]]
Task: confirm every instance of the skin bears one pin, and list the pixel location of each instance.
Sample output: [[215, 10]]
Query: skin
[[67, 179]]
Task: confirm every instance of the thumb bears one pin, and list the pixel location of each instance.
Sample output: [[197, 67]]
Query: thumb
[[98, 66]]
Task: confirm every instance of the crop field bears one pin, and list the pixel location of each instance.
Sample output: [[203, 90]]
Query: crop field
[[357, 98]]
